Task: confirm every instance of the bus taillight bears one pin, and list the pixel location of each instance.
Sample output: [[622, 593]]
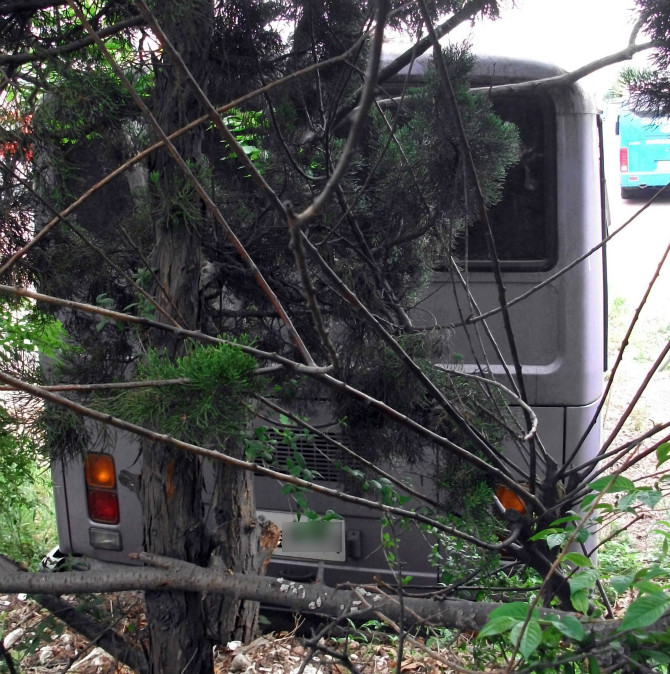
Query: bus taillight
[[623, 159], [99, 469], [103, 506], [102, 499]]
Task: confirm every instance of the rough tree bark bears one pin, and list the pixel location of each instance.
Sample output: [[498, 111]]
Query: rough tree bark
[[172, 481], [238, 538]]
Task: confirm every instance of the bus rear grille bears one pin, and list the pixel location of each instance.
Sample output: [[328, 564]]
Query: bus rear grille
[[322, 457]]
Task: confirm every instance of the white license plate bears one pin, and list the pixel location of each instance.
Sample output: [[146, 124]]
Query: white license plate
[[663, 166], [307, 539]]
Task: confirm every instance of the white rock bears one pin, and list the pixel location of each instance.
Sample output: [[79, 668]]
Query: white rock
[[46, 654], [13, 637], [240, 663]]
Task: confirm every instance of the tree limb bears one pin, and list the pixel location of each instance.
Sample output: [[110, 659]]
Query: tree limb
[[315, 598], [40, 54]]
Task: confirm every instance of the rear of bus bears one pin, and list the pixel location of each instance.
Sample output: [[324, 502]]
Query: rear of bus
[[551, 214], [644, 151]]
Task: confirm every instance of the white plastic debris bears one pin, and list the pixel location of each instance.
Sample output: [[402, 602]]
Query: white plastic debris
[[96, 658], [13, 637]]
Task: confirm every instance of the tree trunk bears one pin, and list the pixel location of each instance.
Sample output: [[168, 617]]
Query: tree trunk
[[171, 480], [238, 536]]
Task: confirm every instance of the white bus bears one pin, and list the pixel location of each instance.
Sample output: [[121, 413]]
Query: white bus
[[551, 214]]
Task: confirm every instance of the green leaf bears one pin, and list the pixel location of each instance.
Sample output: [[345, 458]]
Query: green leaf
[[578, 559], [620, 483], [556, 540], [551, 637], [656, 656], [567, 625], [513, 609], [583, 580], [531, 638], [497, 626], [648, 587], [582, 536], [649, 497], [621, 583], [626, 501], [662, 453], [542, 535], [645, 611], [580, 601], [564, 520], [506, 617]]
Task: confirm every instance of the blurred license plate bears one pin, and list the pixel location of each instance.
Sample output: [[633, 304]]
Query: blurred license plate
[[663, 166], [310, 539]]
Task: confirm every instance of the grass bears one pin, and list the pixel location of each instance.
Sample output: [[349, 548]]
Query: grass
[[28, 527]]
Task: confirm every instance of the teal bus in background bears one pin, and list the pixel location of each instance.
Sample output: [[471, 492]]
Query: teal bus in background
[[644, 151]]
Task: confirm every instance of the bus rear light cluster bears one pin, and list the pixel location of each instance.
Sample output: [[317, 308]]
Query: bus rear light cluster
[[623, 159], [509, 500], [102, 497]]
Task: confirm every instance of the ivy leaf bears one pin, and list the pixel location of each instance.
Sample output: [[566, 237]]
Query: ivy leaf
[[645, 611], [567, 625]]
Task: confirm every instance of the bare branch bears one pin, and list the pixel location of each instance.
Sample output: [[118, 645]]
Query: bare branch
[[574, 75], [367, 98], [314, 598]]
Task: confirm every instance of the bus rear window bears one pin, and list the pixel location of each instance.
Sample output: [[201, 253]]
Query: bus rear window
[[524, 221]]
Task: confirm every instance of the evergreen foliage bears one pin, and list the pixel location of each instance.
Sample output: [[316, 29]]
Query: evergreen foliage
[[218, 387]]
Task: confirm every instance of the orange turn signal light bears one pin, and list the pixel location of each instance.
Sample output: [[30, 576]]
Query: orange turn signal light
[[100, 472], [509, 500]]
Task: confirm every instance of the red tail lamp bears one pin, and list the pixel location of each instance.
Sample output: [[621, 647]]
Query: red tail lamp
[[103, 506], [509, 500], [623, 159]]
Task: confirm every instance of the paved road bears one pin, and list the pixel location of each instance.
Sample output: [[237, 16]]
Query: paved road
[[634, 254]]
